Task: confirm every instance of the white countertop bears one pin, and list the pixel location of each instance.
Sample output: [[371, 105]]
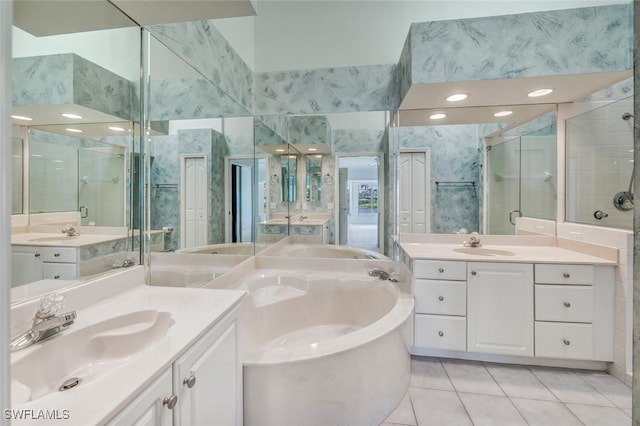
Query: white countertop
[[58, 240], [194, 312], [530, 249]]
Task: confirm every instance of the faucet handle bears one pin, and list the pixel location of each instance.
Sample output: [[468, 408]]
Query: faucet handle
[[50, 304]]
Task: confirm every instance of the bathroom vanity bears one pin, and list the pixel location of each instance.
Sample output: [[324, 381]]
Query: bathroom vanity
[[538, 297], [135, 354]]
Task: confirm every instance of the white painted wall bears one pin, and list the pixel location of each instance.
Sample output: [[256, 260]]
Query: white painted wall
[[307, 34]]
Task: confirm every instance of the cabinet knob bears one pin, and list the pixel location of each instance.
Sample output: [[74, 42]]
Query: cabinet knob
[[440, 298], [56, 254], [474, 273], [566, 342], [56, 277], [170, 401], [566, 275], [190, 381], [441, 270], [37, 255], [567, 304], [440, 333]]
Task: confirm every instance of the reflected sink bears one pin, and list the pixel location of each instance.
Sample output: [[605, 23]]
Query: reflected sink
[[60, 238], [480, 251], [81, 355]]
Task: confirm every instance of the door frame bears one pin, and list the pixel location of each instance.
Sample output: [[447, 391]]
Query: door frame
[[183, 182], [381, 199], [228, 160]]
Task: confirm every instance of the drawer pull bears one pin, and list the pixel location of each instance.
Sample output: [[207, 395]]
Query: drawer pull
[[37, 255], [190, 381], [566, 275], [56, 277], [440, 298], [440, 333], [56, 254], [474, 273], [566, 342], [567, 304], [170, 402], [441, 270]]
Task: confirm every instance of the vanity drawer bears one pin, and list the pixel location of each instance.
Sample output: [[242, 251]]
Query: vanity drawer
[[59, 271], [564, 274], [440, 332], [559, 340], [564, 303], [440, 270], [60, 254], [440, 297]]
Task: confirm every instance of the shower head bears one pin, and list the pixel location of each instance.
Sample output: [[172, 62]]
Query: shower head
[[627, 116]]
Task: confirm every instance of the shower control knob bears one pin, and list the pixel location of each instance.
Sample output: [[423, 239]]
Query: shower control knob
[[599, 214], [440, 298]]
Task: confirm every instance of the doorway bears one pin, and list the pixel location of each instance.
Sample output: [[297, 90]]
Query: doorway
[[193, 200], [240, 200], [415, 191], [360, 209]]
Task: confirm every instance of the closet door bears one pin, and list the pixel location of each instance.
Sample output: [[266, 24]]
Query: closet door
[[415, 177]]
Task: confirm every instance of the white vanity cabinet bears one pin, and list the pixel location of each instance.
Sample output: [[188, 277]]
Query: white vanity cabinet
[[208, 380], [202, 387], [574, 311], [34, 263], [500, 308], [440, 290], [148, 408]]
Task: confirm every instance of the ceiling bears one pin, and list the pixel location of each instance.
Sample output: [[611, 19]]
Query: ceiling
[[486, 97], [53, 17]]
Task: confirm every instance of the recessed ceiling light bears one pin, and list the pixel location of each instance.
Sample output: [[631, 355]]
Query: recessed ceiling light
[[318, 156], [70, 115], [279, 150], [116, 128], [313, 149], [539, 92], [292, 156], [21, 117], [72, 130], [437, 116], [502, 113], [457, 97]]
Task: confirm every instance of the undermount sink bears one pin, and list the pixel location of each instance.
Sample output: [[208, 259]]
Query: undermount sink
[[56, 238], [481, 251], [81, 355]]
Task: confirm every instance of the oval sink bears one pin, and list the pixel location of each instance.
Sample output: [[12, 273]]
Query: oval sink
[[85, 354], [480, 251]]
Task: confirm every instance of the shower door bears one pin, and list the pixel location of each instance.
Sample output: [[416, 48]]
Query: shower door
[[101, 187], [503, 187]]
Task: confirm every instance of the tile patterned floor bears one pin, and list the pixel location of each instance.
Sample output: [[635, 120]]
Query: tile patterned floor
[[446, 392]]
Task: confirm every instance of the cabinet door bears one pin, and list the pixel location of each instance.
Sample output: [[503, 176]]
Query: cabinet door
[[26, 266], [148, 409], [500, 308], [213, 370]]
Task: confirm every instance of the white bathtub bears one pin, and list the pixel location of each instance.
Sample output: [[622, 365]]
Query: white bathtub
[[327, 251], [323, 350], [225, 248]]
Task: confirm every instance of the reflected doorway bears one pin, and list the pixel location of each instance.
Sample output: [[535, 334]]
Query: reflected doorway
[[240, 201], [360, 206]]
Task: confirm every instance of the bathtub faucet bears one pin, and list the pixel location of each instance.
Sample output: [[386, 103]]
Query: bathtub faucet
[[383, 275]]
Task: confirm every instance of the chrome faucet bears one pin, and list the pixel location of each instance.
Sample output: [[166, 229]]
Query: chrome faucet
[[70, 230], [46, 322], [474, 240], [383, 275]]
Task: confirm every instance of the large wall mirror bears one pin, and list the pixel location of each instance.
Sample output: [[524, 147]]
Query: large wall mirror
[[326, 178], [204, 181], [600, 167], [75, 103]]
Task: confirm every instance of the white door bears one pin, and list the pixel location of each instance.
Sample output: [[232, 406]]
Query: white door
[[414, 194], [500, 308], [194, 199]]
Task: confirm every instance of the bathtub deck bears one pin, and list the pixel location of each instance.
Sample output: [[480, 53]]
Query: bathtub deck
[[311, 335]]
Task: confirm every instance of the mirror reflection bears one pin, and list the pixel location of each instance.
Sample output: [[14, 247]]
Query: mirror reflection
[[289, 167], [77, 146], [600, 167], [313, 180]]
